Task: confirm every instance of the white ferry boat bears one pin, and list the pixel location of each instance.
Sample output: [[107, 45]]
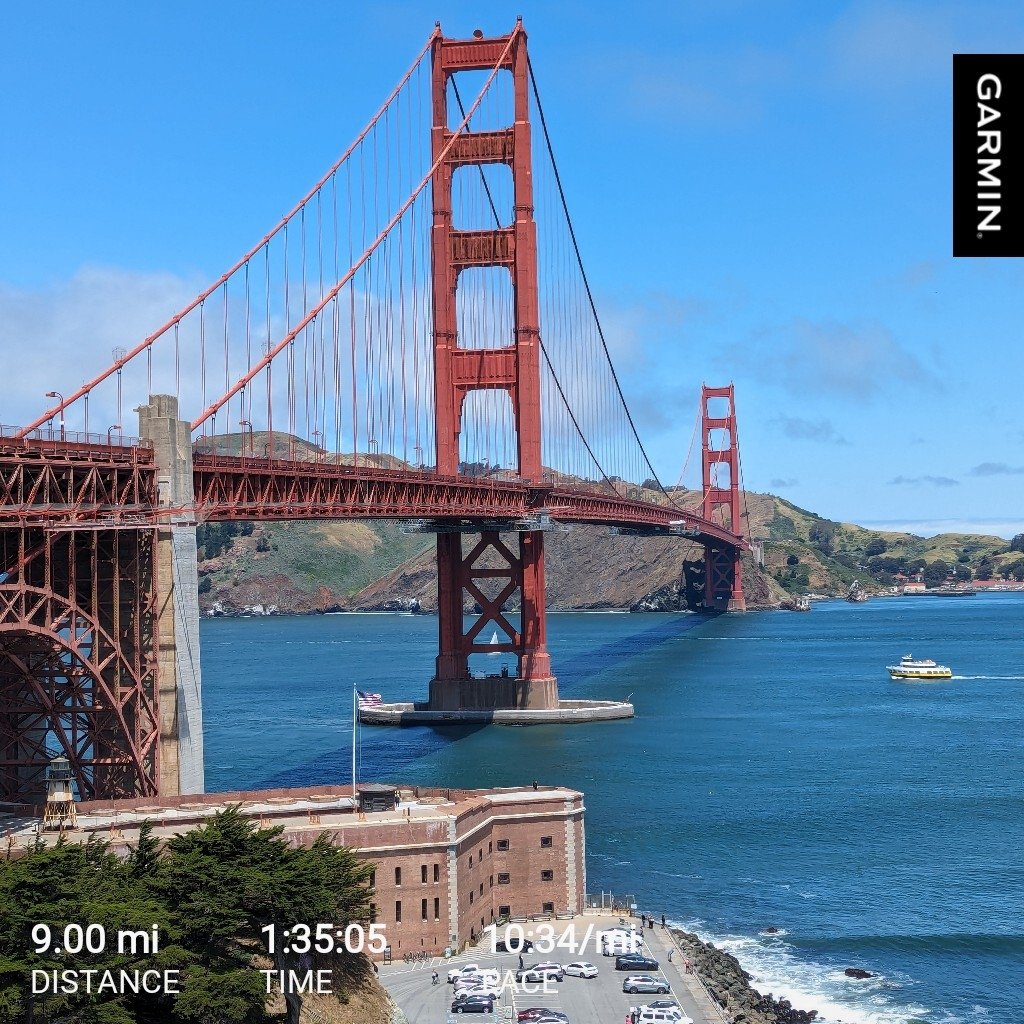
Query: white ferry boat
[[923, 668]]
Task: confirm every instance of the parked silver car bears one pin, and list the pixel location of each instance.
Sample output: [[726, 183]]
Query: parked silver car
[[644, 983]]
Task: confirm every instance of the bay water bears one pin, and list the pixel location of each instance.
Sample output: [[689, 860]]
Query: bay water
[[773, 777]]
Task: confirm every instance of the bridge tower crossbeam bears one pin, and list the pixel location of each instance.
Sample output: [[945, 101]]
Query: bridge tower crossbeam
[[514, 567]]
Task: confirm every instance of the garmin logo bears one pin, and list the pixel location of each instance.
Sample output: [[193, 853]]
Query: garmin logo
[[988, 145]]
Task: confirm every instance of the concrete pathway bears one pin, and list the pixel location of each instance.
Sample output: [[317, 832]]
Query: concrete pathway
[[660, 941]]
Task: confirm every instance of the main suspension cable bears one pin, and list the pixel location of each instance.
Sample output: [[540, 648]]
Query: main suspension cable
[[586, 285]]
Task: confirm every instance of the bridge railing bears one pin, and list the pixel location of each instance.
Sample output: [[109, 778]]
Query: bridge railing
[[112, 439], [77, 445]]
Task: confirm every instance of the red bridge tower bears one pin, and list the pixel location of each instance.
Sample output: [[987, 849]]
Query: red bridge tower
[[514, 369], [723, 581]]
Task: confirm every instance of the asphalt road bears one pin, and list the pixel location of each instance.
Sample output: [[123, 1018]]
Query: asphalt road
[[597, 1000]]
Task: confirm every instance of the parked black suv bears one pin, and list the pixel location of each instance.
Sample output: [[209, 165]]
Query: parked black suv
[[508, 946], [473, 1004], [635, 962]]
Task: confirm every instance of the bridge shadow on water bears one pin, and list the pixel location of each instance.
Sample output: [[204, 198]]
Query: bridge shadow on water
[[384, 760]]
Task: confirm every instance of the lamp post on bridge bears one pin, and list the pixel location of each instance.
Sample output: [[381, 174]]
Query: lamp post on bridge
[[60, 398], [246, 424], [317, 445], [110, 430]]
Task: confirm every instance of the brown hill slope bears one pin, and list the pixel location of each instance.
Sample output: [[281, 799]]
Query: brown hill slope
[[309, 567]]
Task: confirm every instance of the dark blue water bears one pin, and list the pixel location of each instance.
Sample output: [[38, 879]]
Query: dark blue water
[[774, 775]]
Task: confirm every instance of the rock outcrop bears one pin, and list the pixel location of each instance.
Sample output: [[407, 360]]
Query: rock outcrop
[[730, 986]]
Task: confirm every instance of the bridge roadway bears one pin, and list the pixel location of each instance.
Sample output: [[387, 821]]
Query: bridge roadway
[[55, 483]]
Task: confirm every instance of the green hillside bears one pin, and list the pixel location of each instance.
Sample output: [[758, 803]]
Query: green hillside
[[322, 566]]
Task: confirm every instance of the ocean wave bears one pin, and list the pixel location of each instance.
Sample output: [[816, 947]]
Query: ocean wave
[[959, 943], [1007, 678], [778, 967]]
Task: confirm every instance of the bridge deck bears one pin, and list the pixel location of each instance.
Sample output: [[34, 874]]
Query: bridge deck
[[253, 488]]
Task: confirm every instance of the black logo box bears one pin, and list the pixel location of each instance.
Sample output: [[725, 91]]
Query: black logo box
[[988, 154]]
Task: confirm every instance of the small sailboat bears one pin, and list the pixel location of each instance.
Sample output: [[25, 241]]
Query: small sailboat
[[494, 643]]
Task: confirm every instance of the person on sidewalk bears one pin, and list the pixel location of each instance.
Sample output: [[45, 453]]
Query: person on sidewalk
[[670, 952]]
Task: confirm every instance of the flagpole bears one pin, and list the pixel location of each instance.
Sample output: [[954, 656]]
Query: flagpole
[[355, 726]]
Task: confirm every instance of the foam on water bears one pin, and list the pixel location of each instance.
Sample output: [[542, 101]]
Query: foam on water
[[1006, 678], [777, 968]]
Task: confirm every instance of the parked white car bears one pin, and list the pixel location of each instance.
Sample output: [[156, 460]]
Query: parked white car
[[660, 1015], [581, 969], [617, 944], [461, 972], [485, 989]]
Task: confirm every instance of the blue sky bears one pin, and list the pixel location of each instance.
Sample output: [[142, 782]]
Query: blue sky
[[761, 193]]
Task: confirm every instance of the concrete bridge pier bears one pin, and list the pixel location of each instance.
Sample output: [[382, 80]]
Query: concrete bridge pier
[[177, 588]]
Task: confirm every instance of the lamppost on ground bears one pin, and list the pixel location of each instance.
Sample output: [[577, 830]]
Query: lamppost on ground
[[60, 398]]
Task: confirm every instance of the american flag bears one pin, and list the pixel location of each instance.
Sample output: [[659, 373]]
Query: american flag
[[368, 700]]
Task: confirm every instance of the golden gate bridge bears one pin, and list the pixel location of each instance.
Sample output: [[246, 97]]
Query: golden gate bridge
[[417, 339]]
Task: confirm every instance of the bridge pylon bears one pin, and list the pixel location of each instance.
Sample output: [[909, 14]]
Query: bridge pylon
[[492, 567], [723, 579]]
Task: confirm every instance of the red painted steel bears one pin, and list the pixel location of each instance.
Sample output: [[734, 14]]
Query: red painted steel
[[78, 584], [514, 369], [723, 580], [245, 488], [78, 644], [331, 294], [60, 408]]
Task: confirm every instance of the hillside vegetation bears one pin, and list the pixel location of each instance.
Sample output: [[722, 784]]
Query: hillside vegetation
[[371, 565], [803, 551]]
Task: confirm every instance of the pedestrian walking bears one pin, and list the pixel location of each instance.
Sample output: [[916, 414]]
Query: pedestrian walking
[[520, 961], [670, 952], [662, 920], [687, 966]]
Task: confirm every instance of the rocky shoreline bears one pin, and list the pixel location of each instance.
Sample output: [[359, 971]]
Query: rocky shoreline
[[729, 985]]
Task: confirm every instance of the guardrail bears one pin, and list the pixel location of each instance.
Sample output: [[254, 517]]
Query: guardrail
[[112, 439], [621, 903]]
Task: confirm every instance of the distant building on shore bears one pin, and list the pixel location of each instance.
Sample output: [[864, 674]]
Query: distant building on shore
[[446, 862]]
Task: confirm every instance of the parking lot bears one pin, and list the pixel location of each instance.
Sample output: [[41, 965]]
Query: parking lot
[[584, 1000]]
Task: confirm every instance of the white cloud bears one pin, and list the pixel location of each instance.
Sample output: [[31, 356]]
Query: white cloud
[[888, 46], [58, 337], [807, 357], [800, 429]]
